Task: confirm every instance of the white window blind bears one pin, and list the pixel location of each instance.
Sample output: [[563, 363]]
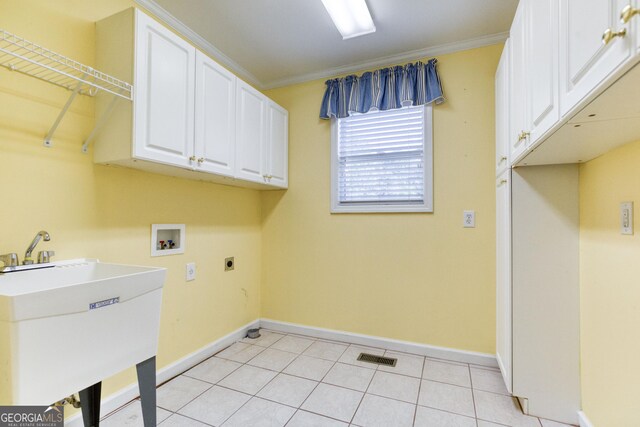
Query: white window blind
[[380, 159]]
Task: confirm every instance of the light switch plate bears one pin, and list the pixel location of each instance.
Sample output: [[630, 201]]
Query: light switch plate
[[191, 271], [626, 218], [469, 219]]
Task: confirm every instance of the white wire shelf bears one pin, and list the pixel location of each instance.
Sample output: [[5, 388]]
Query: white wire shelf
[[22, 56], [18, 54]]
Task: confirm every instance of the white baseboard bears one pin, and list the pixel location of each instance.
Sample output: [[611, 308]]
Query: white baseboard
[[124, 395], [388, 343], [584, 421]]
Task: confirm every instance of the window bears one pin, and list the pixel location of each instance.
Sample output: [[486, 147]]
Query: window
[[382, 161]]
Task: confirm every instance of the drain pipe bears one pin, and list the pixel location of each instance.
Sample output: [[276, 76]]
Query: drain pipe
[[71, 400]]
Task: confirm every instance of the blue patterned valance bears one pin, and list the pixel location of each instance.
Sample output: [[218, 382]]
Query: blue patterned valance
[[384, 89]]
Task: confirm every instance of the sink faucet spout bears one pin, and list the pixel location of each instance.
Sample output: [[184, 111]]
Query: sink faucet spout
[[27, 255]]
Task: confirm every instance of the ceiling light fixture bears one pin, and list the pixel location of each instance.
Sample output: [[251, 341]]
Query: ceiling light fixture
[[351, 17]]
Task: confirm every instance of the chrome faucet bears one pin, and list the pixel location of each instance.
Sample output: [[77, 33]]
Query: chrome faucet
[[27, 255]]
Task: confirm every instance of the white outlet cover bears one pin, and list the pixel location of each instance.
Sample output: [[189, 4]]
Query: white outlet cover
[[626, 218], [469, 219], [191, 271]]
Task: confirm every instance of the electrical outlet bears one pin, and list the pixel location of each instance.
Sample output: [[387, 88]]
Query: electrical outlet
[[626, 218], [469, 219], [191, 271], [229, 264]]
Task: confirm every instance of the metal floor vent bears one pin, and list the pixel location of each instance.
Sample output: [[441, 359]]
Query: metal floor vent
[[380, 360]]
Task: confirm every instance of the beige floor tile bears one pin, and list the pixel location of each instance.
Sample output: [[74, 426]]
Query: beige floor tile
[[276, 360], [309, 367], [242, 354], [288, 390], [449, 373], [487, 380], [429, 417], [131, 416], [307, 419], [181, 390], [399, 387], [447, 397], [293, 344], [335, 402], [177, 420], [212, 370], [376, 411], [248, 379], [349, 376], [325, 350], [260, 413], [215, 405]]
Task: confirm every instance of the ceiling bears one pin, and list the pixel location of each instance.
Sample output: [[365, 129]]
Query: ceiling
[[278, 42]]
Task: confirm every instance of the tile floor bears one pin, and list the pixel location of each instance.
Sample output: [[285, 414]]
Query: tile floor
[[294, 381]]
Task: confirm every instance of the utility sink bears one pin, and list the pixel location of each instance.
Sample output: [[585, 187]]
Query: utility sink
[[73, 323]]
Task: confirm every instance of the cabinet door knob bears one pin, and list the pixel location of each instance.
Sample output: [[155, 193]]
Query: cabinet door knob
[[523, 135], [502, 182], [502, 159], [627, 13], [200, 160], [609, 35], [192, 158]]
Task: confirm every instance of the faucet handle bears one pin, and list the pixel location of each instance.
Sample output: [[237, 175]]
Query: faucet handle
[[45, 256], [9, 260]]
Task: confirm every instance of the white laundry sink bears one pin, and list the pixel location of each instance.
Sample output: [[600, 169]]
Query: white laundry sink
[[76, 323]]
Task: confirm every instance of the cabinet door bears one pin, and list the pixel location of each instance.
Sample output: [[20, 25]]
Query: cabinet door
[[502, 111], [517, 86], [251, 133], [164, 85], [277, 146], [542, 20], [584, 59], [215, 117], [503, 277]]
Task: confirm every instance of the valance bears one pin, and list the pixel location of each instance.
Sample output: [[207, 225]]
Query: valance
[[384, 89]]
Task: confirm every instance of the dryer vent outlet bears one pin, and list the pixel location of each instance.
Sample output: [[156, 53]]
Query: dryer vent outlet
[[229, 264]]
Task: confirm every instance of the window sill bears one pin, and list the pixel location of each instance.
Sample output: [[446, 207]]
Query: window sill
[[381, 209]]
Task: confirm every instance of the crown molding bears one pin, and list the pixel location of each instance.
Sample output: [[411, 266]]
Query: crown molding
[[199, 41], [204, 45], [408, 56]]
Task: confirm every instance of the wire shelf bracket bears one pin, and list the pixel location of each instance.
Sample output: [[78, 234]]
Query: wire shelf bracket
[[18, 54]]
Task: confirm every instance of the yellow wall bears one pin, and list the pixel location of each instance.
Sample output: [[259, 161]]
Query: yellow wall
[[106, 212], [610, 289], [416, 277]]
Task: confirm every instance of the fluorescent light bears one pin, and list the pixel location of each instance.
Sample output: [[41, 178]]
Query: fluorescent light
[[351, 17]]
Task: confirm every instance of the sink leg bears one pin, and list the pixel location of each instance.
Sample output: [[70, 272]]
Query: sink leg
[[147, 384], [90, 404]]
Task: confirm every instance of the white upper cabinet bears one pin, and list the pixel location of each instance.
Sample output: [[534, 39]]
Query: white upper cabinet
[[585, 60], [518, 105], [250, 133], [261, 138], [502, 110], [190, 117], [533, 73], [276, 165], [542, 66], [164, 89], [215, 120]]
